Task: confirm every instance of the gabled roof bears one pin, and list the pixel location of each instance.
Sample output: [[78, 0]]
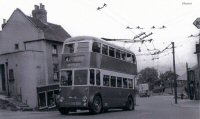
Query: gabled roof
[[51, 31]]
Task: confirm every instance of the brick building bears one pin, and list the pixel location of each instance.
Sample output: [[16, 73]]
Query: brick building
[[30, 50]]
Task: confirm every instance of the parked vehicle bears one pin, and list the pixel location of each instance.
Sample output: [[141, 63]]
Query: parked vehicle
[[144, 90]]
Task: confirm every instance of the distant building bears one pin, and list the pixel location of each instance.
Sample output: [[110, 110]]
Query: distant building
[[197, 73], [30, 50]]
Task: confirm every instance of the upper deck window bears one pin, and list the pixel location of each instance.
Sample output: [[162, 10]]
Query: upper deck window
[[83, 47], [105, 49], [96, 47], [129, 58], [66, 78], [111, 51], [69, 48], [118, 55], [80, 77], [133, 58], [123, 55]]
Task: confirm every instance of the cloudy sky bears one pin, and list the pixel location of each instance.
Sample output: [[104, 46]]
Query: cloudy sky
[[81, 17]]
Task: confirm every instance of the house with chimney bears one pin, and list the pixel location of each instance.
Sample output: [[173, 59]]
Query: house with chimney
[[30, 50]]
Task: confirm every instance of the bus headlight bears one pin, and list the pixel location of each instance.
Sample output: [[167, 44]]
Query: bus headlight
[[84, 99], [61, 99]]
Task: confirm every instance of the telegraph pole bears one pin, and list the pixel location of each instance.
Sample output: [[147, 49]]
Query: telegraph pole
[[174, 67]]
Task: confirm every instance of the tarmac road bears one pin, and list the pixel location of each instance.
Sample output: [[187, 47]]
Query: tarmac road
[[154, 107]]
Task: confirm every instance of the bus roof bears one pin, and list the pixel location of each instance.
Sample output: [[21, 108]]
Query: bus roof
[[82, 38]]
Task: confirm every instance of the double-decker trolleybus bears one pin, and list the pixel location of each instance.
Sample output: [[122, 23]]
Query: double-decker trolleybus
[[96, 75]]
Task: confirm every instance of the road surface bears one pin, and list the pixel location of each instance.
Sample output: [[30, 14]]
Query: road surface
[[154, 107]]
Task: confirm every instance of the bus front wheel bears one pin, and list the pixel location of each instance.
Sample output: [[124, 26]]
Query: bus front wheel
[[96, 105], [129, 104], [63, 110]]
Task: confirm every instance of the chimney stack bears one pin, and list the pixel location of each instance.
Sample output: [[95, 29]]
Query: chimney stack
[[4, 23], [40, 13]]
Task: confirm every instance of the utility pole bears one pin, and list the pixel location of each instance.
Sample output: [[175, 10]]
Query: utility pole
[[174, 67], [188, 81]]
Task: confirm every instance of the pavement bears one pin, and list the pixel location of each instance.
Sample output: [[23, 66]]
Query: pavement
[[8, 103], [187, 103]]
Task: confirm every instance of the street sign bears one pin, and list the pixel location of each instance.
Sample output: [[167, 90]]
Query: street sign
[[197, 23]]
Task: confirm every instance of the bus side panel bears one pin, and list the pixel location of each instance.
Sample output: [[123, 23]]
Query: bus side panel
[[107, 63], [126, 93]]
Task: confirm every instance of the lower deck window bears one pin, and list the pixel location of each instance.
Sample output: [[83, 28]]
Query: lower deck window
[[125, 83], [92, 76], [113, 81], [119, 82], [98, 77], [130, 83], [106, 80], [80, 77], [66, 78]]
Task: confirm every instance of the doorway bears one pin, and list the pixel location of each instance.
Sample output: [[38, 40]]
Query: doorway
[[2, 78]]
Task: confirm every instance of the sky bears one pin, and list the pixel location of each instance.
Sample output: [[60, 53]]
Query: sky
[[81, 17]]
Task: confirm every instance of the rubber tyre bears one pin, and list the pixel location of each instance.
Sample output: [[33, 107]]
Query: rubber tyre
[[96, 105], [130, 104], [63, 110]]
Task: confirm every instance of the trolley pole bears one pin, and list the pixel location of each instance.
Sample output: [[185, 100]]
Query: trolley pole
[[174, 67]]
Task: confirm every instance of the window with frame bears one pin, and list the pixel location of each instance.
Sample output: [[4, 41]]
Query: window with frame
[[106, 81], [111, 51], [96, 47], [92, 76], [83, 47], [123, 54], [129, 57], [104, 49], [11, 74], [133, 58], [119, 82], [66, 78], [55, 72], [118, 54], [54, 49], [125, 84], [80, 77], [130, 83], [113, 81], [69, 48], [16, 46], [98, 78]]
